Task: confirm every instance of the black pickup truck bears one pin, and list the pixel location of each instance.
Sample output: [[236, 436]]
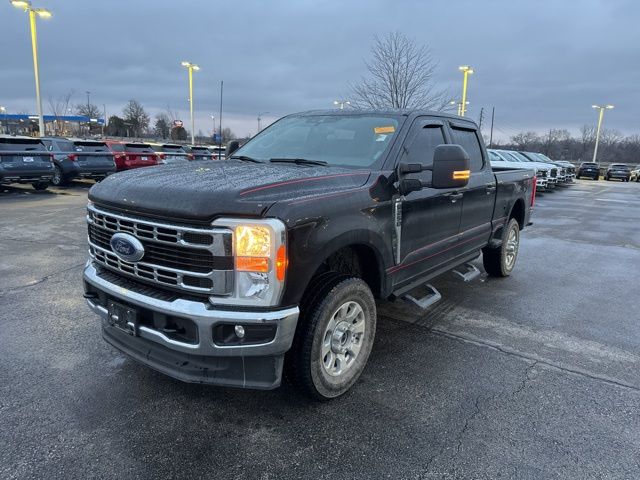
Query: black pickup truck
[[232, 272]]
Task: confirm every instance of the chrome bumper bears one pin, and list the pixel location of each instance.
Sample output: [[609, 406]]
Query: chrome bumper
[[202, 315]]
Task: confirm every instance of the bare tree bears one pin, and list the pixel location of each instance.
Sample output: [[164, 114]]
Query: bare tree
[[59, 108], [135, 116], [526, 141], [401, 76]]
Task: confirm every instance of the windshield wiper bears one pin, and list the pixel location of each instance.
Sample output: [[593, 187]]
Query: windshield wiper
[[298, 161], [244, 158]]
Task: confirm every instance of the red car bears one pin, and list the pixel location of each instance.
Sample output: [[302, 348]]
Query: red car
[[132, 155]]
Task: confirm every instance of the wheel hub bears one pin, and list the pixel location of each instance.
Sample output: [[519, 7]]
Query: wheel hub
[[342, 336], [342, 339]]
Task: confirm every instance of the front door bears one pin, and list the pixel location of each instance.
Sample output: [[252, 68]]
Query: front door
[[430, 218]]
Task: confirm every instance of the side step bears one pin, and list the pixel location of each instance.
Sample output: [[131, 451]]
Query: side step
[[431, 296], [471, 272]]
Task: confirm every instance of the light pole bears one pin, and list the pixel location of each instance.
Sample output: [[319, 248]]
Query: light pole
[[191, 67], [341, 103], [466, 71], [3, 110], [213, 124], [42, 13], [259, 119], [602, 108]]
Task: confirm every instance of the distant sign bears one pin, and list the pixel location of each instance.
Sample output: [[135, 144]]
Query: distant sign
[[216, 138], [177, 123]]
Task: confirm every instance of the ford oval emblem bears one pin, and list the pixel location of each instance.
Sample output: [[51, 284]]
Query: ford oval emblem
[[127, 247]]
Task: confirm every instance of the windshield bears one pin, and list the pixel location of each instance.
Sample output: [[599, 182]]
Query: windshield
[[9, 144], [116, 147], [619, 165], [494, 157], [91, 147], [346, 140], [589, 165], [525, 157]]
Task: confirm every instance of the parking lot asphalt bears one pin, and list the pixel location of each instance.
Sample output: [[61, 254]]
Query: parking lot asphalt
[[533, 376]]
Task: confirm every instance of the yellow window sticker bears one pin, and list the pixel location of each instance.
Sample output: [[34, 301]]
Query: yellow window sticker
[[389, 129]]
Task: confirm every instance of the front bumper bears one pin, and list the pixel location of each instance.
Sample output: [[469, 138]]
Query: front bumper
[[255, 365]]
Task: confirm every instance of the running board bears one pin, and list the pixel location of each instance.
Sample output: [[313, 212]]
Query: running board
[[431, 296], [471, 272]]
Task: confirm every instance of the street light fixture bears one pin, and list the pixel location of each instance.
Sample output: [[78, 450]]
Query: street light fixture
[[341, 103], [601, 109], [259, 119], [459, 104], [466, 71], [191, 67], [33, 13]]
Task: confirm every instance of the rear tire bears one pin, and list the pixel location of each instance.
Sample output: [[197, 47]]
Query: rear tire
[[40, 186], [58, 178], [334, 337], [500, 261]]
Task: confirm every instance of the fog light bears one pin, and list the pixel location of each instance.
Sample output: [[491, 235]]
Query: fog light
[[239, 331]]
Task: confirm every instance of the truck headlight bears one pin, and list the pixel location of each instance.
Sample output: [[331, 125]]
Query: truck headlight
[[260, 260]]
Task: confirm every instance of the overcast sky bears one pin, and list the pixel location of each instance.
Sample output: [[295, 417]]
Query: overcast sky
[[541, 64]]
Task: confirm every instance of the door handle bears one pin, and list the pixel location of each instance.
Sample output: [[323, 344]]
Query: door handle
[[454, 196], [490, 188]]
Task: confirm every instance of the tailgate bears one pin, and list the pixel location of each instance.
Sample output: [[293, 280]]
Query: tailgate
[[22, 162]]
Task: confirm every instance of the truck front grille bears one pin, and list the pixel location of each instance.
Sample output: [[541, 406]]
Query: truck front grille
[[185, 258]]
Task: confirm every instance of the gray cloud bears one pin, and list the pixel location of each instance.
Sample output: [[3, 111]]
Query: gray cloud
[[540, 63]]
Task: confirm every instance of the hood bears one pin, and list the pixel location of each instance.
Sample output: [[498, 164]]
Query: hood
[[200, 192]]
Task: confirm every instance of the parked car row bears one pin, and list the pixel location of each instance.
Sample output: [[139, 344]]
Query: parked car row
[[549, 173], [58, 160]]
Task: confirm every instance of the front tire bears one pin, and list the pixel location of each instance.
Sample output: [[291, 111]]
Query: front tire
[[500, 261], [334, 337]]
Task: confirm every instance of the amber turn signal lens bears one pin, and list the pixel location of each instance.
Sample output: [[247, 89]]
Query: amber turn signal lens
[[281, 263], [252, 264], [461, 174]]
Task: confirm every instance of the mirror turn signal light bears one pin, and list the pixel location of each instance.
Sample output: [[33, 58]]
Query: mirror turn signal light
[[461, 174]]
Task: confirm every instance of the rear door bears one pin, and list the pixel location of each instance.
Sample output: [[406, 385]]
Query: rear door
[[480, 193], [430, 217]]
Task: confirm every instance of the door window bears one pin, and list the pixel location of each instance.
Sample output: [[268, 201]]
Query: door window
[[422, 148]]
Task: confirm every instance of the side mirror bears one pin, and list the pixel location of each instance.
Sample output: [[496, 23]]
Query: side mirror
[[232, 146], [450, 167]]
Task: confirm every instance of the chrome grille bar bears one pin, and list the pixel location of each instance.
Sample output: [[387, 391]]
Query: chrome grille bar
[[192, 259]]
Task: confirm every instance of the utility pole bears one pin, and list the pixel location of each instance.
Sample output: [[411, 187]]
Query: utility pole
[[493, 112], [260, 119]]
